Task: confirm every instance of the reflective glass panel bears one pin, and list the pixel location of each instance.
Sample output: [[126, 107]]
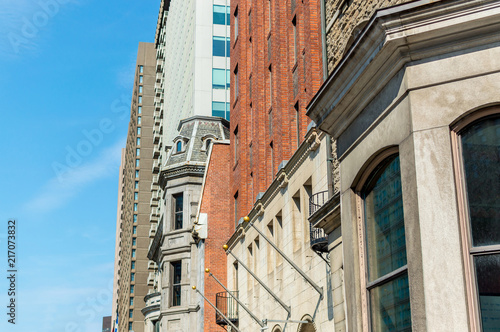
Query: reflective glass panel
[[385, 231], [390, 306], [488, 284], [481, 156]]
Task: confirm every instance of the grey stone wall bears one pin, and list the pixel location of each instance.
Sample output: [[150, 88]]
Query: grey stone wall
[[342, 18]]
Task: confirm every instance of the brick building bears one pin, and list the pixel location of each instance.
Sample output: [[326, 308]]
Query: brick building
[[276, 64]]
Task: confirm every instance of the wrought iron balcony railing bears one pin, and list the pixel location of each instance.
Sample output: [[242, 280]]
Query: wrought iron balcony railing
[[228, 306], [318, 238], [316, 201]]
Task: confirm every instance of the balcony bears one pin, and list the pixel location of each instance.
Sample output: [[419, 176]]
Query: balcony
[[151, 279], [316, 201], [318, 238], [156, 166], [153, 202], [324, 218], [152, 231], [228, 306]]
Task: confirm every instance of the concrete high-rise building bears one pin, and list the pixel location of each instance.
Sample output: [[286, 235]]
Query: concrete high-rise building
[[192, 42], [119, 209], [134, 220]]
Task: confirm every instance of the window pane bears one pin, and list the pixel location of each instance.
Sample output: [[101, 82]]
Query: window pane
[[228, 46], [218, 46], [179, 200], [219, 14], [481, 155], [218, 109], [218, 78], [176, 289], [385, 232], [390, 306], [228, 78], [488, 284]]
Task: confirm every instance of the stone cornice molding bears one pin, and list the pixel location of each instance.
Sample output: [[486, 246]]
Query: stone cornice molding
[[394, 37], [310, 144]]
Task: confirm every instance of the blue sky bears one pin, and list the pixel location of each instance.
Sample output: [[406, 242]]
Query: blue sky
[[67, 74]]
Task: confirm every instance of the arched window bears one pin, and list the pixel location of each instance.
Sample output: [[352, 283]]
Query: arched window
[[385, 243], [178, 146], [479, 151]]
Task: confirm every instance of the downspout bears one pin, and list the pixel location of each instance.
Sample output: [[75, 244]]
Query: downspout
[[329, 153]]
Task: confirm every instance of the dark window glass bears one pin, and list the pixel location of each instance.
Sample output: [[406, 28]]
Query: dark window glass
[[385, 230], [179, 146], [481, 161], [386, 248], [488, 284], [218, 109], [228, 46], [176, 283], [220, 14], [219, 46], [218, 78], [390, 306], [178, 205], [481, 155]]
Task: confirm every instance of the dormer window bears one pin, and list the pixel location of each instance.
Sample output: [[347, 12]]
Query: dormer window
[[180, 144], [207, 141]]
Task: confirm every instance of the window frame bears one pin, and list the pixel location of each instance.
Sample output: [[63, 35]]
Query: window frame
[[367, 286], [173, 285], [468, 250], [175, 213]]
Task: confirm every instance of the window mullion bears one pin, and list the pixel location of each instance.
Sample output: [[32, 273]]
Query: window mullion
[[388, 277]]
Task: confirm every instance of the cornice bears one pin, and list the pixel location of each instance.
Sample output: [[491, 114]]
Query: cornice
[[311, 143], [183, 170], [393, 38], [149, 309]]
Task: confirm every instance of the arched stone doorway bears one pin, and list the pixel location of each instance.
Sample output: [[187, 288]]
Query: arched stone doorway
[[309, 327]]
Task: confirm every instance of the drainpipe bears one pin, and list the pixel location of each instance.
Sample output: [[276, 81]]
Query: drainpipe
[[329, 154]]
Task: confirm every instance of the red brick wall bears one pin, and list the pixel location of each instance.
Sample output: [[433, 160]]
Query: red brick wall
[[250, 109], [216, 196]]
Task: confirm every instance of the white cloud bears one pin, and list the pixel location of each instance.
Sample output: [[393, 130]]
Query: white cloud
[[59, 190]]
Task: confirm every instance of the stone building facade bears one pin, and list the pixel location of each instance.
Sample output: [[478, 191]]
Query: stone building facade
[[413, 103], [180, 257], [281, 215], [344, 20]]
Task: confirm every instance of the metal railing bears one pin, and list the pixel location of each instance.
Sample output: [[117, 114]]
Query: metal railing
[[316, 201], [228, 306], [318, 239]]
